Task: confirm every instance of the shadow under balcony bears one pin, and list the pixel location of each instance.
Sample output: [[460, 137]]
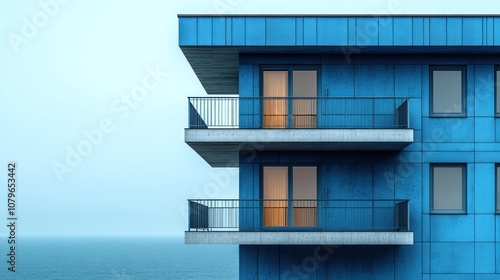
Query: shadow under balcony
[[299, 222], [222, 127]]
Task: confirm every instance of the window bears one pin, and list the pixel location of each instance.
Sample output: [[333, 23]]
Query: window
[[497, 178], [448, 188], [497, 90], [448, 91], [285, 186], [289, 90]]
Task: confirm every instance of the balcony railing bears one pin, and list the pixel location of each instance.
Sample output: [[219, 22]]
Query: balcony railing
[[298, 215], [297, 112]]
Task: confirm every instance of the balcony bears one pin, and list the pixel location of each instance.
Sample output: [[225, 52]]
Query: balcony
[[221, 127], [298, 222]]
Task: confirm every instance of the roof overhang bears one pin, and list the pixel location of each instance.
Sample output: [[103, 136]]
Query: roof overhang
[[213, 44]]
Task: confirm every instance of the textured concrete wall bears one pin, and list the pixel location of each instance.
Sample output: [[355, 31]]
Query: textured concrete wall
[[332, 262]]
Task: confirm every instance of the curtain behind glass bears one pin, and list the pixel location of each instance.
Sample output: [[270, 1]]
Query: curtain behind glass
[[304, 98], [275, 99], [305, 194], [275, 196]]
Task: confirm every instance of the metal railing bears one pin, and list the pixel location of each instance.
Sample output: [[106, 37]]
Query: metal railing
[[298, 112], [313, 215]]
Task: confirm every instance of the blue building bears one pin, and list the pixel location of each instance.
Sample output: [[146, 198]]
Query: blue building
[[368, 147]]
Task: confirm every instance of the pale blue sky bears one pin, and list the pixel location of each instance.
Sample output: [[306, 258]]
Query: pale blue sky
[[68, 68]]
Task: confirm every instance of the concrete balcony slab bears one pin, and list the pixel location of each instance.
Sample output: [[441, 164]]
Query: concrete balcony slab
[[299, 238], [221, 147]]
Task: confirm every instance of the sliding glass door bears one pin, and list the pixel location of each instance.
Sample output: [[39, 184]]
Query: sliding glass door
[[286, 91], [290, 196]]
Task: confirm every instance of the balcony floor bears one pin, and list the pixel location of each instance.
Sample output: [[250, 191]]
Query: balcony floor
[[299, 238], [221, 147]]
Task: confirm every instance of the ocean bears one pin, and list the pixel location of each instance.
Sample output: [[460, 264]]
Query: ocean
[[121, 258]]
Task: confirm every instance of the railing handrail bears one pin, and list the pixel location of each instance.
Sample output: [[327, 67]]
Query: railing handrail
[[315, 214], [298, 112]]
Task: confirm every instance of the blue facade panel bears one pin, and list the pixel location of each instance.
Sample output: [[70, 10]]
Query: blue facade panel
[[367, 32], [426, 32], [188, 31], [446, 228], [403, 31], [485, 258], [448, 130], [332, 31], [339, 80], [491, 29], [219, 32], [228, 28], [485, 228], [386, 29], [269, 255], [437, 31], [324, 262], [472, 31], [418, 31], [299, 31], [343, 30], [497, 251], [454, 31], [485, 175], [205, 27], [406, 265], [255, 31], [452, 258], [248, 262], [238, 31], [454, 276], [485, 129], [280, 31], [310, 31], [374, 80], [484, 91], [408, 80]]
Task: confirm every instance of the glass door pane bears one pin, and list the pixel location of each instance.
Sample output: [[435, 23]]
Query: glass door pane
[[304, 98], [305, 207], [275, 111], [275, 205]]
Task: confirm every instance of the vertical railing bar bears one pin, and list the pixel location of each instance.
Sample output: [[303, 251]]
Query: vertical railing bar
[[189, 112]]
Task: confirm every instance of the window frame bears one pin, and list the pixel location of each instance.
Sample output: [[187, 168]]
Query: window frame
[[463, 166], [463, 70], [289, 68], [290, 167]]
